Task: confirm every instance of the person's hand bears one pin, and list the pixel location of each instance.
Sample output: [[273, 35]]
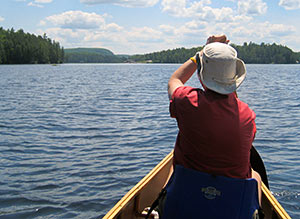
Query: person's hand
[[214, 38], [217, 38]]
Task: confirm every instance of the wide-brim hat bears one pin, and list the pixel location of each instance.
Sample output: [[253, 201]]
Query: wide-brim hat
[[221, 70]]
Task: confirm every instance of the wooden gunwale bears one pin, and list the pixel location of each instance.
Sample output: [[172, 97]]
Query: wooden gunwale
[[133, 198], [135, 190]]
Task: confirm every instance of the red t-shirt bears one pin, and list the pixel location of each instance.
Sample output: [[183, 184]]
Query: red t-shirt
[[215, 132]]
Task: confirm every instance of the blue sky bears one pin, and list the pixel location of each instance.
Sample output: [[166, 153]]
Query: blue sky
[[143, 26]]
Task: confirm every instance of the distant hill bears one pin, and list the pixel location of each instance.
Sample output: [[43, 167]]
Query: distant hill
[[99, 51], [92, 55]]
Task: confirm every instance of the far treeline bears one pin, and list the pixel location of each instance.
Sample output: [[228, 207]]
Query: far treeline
[[250, 53], [17, 47], [93, 55]]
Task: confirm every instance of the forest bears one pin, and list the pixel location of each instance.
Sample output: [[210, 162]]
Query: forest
[[17, 47], [179, 55], [266, 54], [249, 52]]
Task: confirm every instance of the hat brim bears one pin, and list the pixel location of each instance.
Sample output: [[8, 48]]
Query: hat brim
[[224, 88]]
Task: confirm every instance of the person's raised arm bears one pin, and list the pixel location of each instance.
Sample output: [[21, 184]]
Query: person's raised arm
[[180, 76]]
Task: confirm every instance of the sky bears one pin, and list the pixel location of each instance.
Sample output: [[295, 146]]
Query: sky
[[145, 26]]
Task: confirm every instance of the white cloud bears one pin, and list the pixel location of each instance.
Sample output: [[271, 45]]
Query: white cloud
[[66, 37], [201, 10], [78, 28], [279, 30], [217, 14], [174, 7], [1, 19], [182, 8], [194, 25], [113, 27], [238, 23], [290, 4], [43, 1], [124, 3], [144, 34], [168, 29], [42, 23], [252, 7], [35, 5], [190, 34], [38, 3], [261, 32], [112, 36], [77, 20]]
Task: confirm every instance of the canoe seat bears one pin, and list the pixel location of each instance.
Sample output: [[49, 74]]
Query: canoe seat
[[193, 194]]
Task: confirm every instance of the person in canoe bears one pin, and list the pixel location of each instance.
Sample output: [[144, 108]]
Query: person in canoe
[[216, 131]]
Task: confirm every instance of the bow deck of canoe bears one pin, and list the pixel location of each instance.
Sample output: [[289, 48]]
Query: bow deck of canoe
[[146, 191]]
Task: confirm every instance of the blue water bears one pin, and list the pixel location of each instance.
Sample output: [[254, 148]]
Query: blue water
[[75, 138]]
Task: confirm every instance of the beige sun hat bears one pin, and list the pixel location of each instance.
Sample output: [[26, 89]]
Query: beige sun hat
[[221, 70]]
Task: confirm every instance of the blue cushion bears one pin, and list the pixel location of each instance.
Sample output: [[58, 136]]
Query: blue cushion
[[193, 194]]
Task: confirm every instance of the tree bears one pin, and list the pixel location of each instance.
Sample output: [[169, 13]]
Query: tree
[[18, 47]]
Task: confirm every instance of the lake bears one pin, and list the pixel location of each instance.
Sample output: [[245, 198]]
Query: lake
[[74, 138]]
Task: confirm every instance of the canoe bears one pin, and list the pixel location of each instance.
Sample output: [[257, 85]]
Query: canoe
[[146, 191]]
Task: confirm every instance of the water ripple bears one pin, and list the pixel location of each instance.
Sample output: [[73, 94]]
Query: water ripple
[[75, 138]]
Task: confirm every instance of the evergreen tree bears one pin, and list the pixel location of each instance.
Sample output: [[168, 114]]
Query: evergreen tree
[[18, 47]]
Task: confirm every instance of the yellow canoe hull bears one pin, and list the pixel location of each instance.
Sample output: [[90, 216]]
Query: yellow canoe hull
[[146, 191]]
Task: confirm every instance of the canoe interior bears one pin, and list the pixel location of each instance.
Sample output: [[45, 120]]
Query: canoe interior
[[146, 191]]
